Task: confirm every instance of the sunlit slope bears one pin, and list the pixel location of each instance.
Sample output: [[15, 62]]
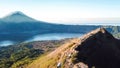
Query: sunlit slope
[[60, 55], [96, 49]]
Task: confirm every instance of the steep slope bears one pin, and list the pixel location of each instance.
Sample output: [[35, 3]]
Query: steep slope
[[100, 49], [58, 56], [97, 49]]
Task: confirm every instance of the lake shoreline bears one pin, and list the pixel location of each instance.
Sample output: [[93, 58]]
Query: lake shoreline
[[41, 37]]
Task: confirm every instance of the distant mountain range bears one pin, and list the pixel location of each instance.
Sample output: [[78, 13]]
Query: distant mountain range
[[18, 26], [18, 22], [21, 26]]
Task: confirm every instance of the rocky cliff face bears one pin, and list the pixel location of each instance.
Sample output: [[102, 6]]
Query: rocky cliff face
[[96, 49], [99, 49]]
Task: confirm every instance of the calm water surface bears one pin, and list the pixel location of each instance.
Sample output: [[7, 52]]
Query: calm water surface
[[50, 36]]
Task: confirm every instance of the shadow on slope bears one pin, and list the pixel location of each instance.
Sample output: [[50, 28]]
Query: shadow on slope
[[96, 49], [100, 49]]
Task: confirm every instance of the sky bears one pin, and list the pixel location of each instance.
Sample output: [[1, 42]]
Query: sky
[[65, 11]]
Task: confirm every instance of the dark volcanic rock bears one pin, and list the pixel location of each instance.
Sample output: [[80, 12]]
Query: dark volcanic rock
[[100, 49]]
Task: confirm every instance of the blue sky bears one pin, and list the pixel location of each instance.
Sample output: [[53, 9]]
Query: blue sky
[[64, 11]]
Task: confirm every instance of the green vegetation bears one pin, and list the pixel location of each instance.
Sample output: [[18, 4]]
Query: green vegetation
[[20, 55], [73, 58], [51, 60], [17, 56], [63, 62], [44, 62]]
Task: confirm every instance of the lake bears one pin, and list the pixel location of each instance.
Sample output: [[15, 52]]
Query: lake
[[51, 36]]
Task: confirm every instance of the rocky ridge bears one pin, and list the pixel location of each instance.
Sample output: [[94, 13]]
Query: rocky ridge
[[96, 49]]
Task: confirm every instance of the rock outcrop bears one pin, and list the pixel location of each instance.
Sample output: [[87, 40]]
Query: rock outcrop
[[96, 49], [99, 49]]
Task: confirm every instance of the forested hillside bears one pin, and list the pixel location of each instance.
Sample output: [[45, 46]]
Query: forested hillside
[[19, 55]]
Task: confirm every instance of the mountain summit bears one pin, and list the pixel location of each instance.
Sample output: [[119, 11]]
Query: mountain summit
[[96, 49], [18, 17]]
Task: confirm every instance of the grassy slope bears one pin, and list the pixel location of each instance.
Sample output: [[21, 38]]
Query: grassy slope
[[22, 54], [59, 55]]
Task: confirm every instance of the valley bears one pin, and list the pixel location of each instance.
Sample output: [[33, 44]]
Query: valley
[[29, 43], [20, 55]]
